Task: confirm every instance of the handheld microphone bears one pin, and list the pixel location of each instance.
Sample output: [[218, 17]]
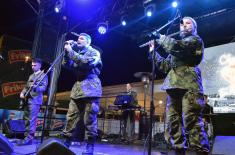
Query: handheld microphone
[[76, 34], [71, 42]]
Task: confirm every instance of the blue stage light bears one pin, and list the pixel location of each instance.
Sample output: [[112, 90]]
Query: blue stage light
[[174, 4], [56, 9], [102, 27], [59, 6], [124, 20], [149, 13], [149, 10], [123, 23]]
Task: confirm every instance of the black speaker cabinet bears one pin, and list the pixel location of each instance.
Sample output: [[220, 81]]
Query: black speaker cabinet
[[53, 146], [224, 124], [5, 146]]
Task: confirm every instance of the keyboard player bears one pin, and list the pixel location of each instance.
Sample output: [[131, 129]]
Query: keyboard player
[[128, 115]]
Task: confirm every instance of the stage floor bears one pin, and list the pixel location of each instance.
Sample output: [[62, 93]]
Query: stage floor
[[100, 149]]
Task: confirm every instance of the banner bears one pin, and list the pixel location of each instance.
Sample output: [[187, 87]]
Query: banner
[[15, 69]]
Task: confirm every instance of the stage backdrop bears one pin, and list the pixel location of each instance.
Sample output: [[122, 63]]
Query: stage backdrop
[[218, 73], [15, 69]]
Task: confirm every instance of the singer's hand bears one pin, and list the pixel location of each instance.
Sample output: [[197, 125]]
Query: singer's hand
[[68, 48], [70, 42], [151, 45], [22, 95]]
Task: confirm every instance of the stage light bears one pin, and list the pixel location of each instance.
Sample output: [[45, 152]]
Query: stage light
[[26, 59], [123, 20], [57, 10], [149, 10], [123, 23], [149, 13], [174, 4], [102, 27], [58, 6]]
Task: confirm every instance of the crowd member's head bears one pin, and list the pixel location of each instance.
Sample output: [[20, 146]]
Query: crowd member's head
[[128, 87]]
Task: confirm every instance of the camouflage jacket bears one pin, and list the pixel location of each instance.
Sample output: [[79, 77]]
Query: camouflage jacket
[[36, 94], [87, 64], [181, 65]]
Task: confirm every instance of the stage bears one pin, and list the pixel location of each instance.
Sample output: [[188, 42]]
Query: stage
[[101, 148]]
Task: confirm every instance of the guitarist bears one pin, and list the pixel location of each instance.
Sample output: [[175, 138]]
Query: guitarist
[[32, 96]]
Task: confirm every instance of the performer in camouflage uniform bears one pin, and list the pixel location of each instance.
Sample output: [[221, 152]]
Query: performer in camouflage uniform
[[183, 84], [85, 94]]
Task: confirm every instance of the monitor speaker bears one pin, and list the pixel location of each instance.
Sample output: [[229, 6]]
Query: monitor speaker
[[5, 146], [53, 146]]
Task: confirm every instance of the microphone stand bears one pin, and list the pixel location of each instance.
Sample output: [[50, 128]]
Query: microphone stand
[[46, 110], [152, 108]]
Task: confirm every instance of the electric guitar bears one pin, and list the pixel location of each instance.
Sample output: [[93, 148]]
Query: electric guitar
[[24, 101]]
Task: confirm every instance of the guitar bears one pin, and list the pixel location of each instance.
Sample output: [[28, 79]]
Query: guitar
[[24, 101]]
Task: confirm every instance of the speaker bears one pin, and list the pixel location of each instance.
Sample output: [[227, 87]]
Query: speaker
[[53, 146], [224, 145], [223, 124], [14, 128], [5, 146]]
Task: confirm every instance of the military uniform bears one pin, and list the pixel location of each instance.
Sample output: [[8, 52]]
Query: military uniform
[[183, 85], [35, 99], [85, 94]]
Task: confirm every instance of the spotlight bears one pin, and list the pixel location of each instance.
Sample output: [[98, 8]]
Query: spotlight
[[149, 13], [57, 10], [123, 20], [149, 7], [26, 58], [149, 10], [102, 27], [174, 4], [58, 6], [124, 23]]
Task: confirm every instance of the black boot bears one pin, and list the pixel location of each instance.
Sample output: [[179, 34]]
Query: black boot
[[66, 137], [202, 153], [179, 151], [89, 146], [26, 141], [67, 142], [89, 149]]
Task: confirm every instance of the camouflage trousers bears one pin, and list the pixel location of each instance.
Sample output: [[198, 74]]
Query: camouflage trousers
[[86, 110], [31, 116], [185, 127]]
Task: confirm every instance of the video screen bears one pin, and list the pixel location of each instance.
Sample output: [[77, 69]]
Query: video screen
[[218, 74]]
